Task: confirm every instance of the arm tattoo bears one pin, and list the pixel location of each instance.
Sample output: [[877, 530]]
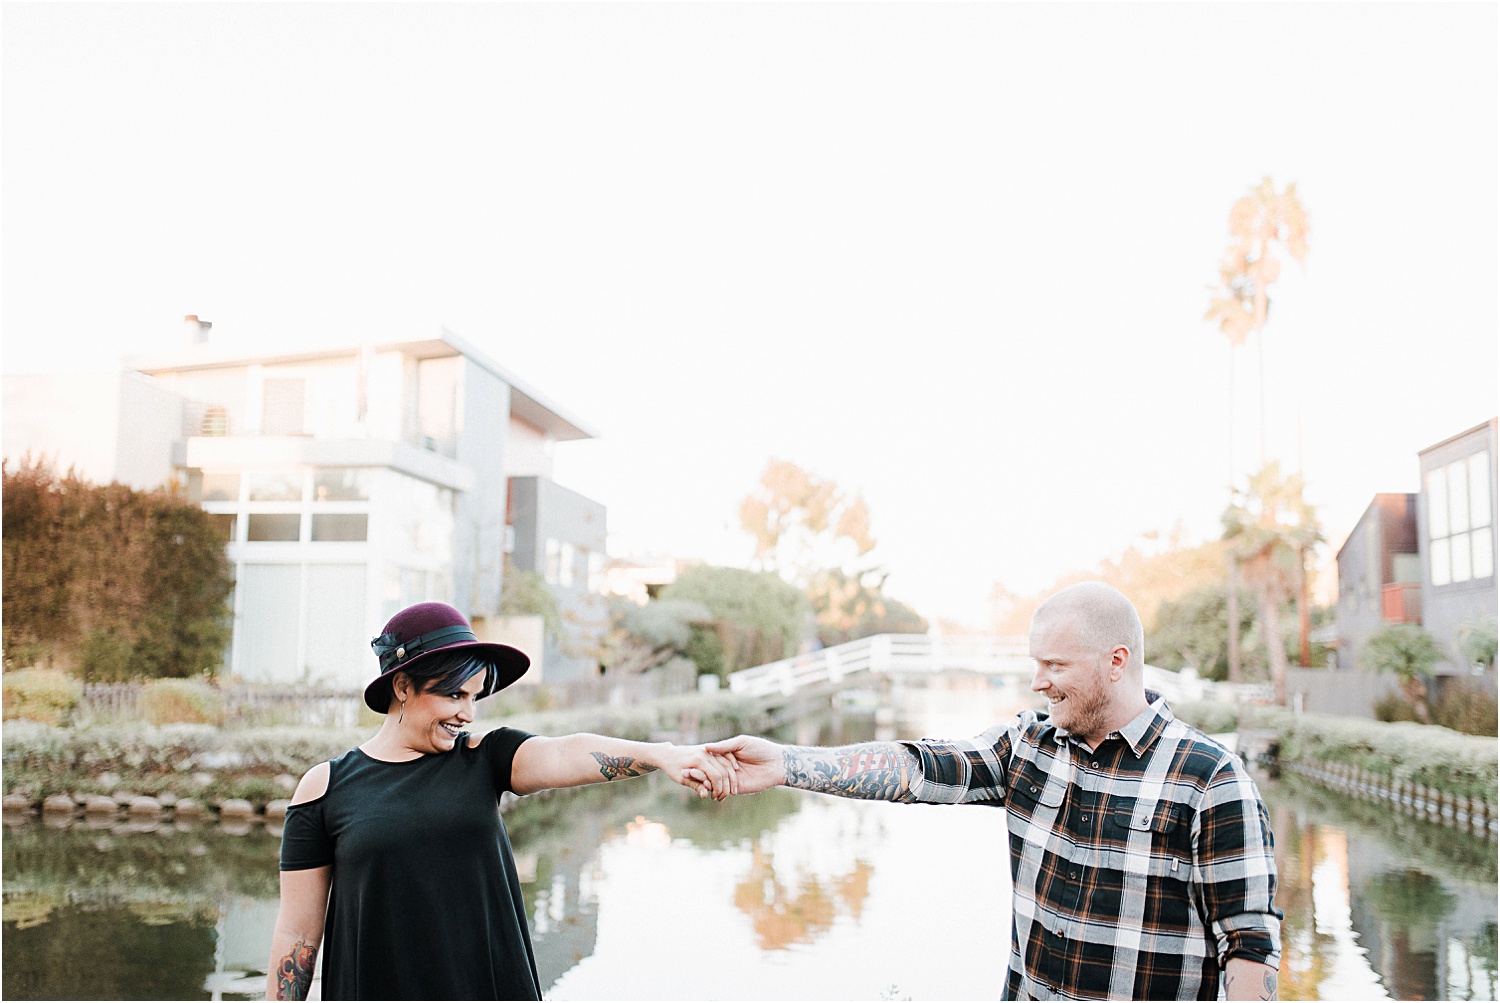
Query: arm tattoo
[[294, 974], [615, 767], [871, 771]]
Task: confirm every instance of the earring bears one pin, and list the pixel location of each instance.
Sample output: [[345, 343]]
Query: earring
[[402, 716]]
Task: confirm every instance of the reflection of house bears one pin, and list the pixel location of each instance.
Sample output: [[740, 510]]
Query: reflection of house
[[1427, 558], [348, 481]]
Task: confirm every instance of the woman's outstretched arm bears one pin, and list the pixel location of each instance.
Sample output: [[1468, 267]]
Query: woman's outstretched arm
[[575, 760]]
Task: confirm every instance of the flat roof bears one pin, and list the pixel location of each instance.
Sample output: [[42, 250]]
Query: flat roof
[[1452, 438], [526, 403]]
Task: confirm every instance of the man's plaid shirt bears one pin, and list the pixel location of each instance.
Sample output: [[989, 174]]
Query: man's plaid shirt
[[1139, 869]]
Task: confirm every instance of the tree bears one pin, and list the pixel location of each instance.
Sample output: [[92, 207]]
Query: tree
[[1270, 529], [849, 607], [1194, 630], [1408, 652], [802, 523], [1258, 223], [757, 617], [525, 593], [1476, 640], [642, 637]]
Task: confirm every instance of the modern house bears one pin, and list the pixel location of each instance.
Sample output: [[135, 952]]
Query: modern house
[[349, 482], [1456, 516], [1426, 558]]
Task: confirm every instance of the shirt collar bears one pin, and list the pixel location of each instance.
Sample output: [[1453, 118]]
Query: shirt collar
[[1142, 730]]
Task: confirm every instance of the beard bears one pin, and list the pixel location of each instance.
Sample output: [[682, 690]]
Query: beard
[[1085, 712]]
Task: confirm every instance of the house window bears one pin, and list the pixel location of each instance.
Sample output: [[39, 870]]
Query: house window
[[276, 485], [1459, 530], [345, 527], [565, 566], [279, 528], [341, 484], [554, 560], [220, 487]]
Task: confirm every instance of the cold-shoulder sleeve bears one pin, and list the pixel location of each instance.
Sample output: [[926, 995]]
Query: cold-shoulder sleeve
[[499, 747], [305, 841]]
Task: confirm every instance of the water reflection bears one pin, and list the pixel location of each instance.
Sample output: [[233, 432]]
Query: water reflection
[[641, 890], [1379, 904]]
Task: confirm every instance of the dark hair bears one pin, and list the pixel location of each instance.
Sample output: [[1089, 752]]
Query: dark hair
[[446, 673]]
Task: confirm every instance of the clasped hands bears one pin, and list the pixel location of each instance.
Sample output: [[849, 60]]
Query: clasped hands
[[741, 765]]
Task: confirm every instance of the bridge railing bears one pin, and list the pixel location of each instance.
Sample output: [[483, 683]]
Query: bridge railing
[[908, 653], [884, 653]]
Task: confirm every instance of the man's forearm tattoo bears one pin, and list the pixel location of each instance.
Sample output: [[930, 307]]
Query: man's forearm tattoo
[[1268, 982], [294, 974], [872, 771], [615, 767]]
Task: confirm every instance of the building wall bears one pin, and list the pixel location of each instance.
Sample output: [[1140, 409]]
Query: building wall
[[479, 514], [1466, 461], [1379, 552], [560, 534], [109, 426]]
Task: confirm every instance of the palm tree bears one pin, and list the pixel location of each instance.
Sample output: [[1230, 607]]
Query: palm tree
[[1258, 222], [1270, 529]]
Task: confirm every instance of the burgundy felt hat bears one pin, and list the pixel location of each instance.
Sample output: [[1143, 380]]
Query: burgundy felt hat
[[425, 629]]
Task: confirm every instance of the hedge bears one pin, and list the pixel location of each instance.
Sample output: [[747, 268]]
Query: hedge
[[1464, 765]]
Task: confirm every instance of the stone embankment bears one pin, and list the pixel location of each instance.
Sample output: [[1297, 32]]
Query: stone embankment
[[1469, 813], [142, 810]]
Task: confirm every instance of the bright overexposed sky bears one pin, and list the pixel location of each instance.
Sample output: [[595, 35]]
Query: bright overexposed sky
[[953, 257]]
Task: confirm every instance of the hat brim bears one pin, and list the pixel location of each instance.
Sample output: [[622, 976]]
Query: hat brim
[[509, 664]]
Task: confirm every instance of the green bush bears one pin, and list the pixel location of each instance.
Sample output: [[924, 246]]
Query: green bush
[[45, 695], [1423, 753], [759, 618], [1394, 707], [181, 701], [1212, 717], [1466, 708]]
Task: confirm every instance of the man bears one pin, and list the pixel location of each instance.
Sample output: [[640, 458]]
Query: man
[[1140, 849]]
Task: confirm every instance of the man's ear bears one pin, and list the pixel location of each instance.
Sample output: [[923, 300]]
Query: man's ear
[[1119, 661]]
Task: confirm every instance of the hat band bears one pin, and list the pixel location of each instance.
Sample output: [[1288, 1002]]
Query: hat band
[[392, 651]]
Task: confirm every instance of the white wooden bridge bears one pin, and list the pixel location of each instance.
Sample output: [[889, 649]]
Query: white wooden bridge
[[926, 653]]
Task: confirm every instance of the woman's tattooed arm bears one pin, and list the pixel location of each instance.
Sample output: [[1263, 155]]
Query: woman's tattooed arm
[[295, 972], [874, 771]]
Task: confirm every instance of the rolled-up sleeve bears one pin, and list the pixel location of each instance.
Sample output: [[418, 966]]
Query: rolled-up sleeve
[[972, 771], [1234, 868]]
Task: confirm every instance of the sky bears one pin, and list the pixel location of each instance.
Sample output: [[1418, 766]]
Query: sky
[[953, 257]]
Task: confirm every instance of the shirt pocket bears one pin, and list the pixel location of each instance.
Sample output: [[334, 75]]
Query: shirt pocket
[[1033, 800], [1150, 839]]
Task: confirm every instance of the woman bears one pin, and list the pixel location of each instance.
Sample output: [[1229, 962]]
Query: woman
[[394, 853]]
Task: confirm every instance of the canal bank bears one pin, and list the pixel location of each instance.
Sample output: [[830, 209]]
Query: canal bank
[[797, 896]]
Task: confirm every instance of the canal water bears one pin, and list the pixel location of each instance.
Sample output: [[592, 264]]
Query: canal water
[[639, 890]]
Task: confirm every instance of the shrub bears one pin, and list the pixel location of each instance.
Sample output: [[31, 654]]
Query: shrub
[[1466, 708], [1422, 753], [1212, 717], [181, 701], [45, 695], [1394, 707]]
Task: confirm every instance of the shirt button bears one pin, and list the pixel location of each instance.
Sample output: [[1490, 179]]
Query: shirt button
[[1059, 931], [1072, 875], [1085, 818], [1094, 765]]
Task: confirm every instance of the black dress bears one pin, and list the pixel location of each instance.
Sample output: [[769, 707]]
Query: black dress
[[424, 902]]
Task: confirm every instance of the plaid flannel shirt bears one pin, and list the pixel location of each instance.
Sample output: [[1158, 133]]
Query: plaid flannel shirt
[[1139, 869]]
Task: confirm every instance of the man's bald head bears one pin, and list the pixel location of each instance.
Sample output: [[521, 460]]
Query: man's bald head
[[1102, 616]]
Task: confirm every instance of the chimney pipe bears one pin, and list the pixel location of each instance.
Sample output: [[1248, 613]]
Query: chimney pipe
[[197, 329]]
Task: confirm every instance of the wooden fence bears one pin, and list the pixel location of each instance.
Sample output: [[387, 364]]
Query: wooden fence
[[245, 706]]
